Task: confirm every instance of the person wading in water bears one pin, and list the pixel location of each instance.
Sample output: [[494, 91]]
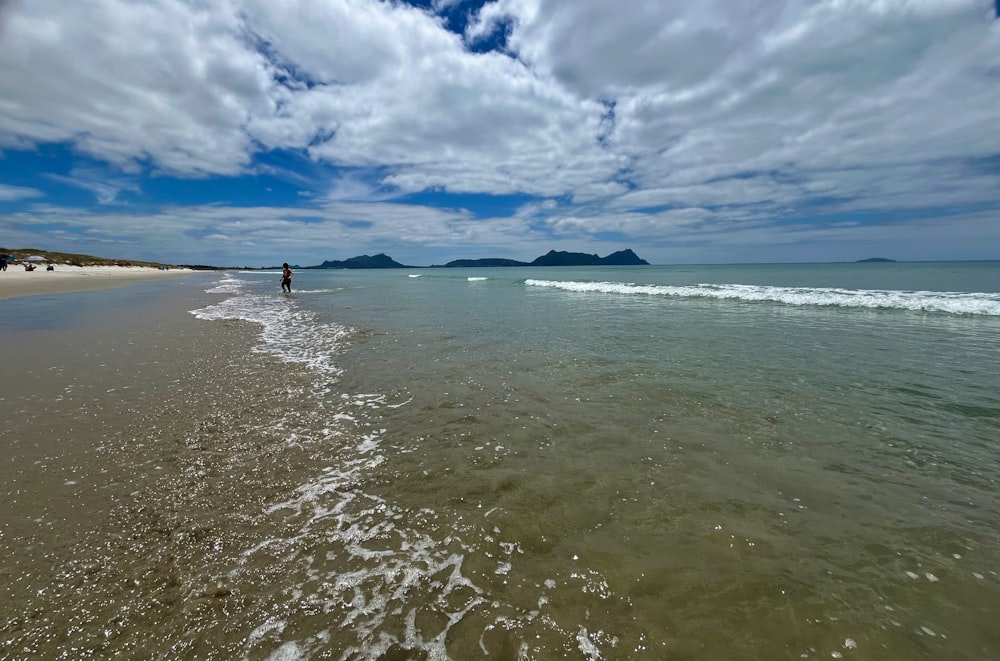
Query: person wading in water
[[286, 278]]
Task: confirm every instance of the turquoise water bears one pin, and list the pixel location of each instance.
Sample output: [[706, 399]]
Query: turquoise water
[[764, 461]]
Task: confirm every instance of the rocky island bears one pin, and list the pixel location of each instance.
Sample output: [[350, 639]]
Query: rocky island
[[379, 261]]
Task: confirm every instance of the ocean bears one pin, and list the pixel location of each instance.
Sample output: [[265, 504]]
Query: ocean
[[671, 462], [667, 462]]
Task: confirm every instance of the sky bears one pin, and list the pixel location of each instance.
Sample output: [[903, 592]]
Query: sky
[[254, 132]]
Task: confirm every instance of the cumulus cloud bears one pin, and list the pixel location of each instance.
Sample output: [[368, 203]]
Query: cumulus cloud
[[638, 120], [167, 83], [720, 90]]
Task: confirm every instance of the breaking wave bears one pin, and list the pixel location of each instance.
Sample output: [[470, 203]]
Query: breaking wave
[[973, 303]]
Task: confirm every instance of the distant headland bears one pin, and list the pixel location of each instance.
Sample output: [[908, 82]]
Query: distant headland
[[552, 258], [874, 259]]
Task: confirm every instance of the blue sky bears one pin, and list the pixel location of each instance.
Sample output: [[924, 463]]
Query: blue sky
[[252, 132]]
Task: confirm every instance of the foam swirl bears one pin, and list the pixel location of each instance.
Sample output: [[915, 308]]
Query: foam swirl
[[287, 330]]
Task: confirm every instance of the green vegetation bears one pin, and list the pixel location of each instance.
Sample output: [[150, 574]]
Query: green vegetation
[[74, 259]]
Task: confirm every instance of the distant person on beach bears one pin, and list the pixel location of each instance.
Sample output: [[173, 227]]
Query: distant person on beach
[[3, 262], [286, 278]]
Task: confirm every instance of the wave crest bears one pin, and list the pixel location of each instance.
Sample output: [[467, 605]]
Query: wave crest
[[977, 303]]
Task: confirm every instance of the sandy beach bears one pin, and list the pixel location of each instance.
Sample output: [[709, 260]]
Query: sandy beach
[[126, 464], [383, 467], [15, 281]]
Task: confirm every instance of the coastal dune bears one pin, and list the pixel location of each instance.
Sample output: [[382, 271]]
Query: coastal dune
[[15, 281]]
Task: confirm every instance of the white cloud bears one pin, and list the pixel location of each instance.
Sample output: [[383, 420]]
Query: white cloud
[[710, 89], [105, 187], [10, 193], [441, 5], [248, 235], [664, 117], [128, 81], [420, 235]]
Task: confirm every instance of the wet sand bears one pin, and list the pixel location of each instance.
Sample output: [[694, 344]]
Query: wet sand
[[135, 459], [15, 281]]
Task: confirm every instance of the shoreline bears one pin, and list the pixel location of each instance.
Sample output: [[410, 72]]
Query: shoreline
[[140, 443], [16, 282]]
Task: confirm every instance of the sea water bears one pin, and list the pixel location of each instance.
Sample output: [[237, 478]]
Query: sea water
[[711, 462]]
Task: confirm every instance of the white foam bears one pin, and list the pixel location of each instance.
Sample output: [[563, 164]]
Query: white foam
[[353, 524], [287, 652], [287, 331], [385, 553], [476, 279], [369, 443], [271, 626], [227, 285], [586, 645], [978, 303]]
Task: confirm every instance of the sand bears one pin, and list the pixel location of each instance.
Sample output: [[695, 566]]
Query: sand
[[138, 447], [15, 281]]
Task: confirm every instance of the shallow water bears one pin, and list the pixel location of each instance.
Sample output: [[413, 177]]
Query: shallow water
[[465, 464], [604, 472]]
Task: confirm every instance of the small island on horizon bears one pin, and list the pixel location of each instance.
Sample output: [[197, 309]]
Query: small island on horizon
[[871, 260]]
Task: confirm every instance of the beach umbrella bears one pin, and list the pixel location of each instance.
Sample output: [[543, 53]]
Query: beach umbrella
[[36, 258]]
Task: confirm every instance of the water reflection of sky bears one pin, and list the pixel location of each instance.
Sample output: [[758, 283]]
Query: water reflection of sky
[[81, 310]]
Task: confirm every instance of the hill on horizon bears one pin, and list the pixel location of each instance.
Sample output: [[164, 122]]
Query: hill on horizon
[[379, 261], [552, 258]]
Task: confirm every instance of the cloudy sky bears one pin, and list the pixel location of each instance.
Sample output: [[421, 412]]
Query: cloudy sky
[[251, 132]]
